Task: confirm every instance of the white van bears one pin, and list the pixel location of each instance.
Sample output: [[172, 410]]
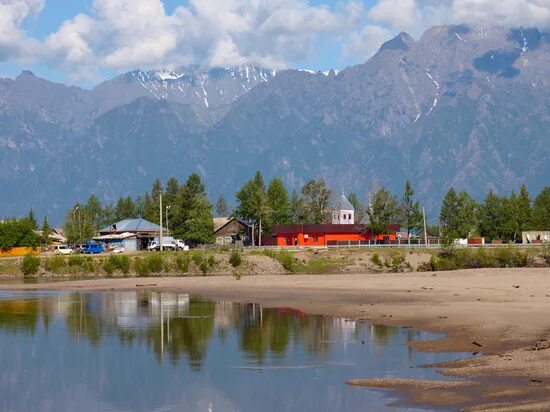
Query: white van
[[62, 250]]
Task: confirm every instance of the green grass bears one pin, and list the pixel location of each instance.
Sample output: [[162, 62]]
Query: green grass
[[320, 265], [285, 258]]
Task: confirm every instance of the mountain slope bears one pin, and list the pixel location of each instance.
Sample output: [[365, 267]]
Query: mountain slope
[[461, 106]]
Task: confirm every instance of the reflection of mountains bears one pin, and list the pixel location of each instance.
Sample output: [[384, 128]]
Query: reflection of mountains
[[174, 324]]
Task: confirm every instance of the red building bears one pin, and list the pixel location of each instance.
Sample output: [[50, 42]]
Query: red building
[[327, 235]]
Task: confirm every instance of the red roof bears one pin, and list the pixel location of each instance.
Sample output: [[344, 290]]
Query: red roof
[[323, 228]]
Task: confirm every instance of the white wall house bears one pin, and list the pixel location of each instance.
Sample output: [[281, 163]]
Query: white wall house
[[343, 213]]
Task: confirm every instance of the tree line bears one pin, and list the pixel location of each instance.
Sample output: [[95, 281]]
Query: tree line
[[187, 212], [496, 217], [190, 214]]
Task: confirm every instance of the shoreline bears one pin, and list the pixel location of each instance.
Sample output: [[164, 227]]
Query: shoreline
[[499, 313]]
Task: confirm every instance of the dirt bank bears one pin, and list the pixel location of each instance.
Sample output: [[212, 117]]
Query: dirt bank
[[501, 313]]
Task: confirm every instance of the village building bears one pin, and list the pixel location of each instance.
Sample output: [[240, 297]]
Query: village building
[[131, 234], [341, 232], [230, 231], [535, 237], [344, 212]]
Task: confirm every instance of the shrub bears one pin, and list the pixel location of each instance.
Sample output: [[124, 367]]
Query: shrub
[[30, 265], [376, 260], [478, 258], [235, 259], [141, 267], [197, 257], [283, 257], [114, 263], [155, 263], [54, 264], [76, 261], [204, 267], [397, 262], [546, 255], [182, 263], [212, 261], [89, 265]]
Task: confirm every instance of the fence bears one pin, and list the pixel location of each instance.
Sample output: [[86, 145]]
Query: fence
[[19, 251]]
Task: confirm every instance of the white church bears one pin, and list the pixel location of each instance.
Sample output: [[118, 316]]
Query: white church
[[344, 212]]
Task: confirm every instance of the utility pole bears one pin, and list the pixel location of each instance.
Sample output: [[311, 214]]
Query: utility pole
[[167, 225], [425, 229], [260, 234], [160, 237]]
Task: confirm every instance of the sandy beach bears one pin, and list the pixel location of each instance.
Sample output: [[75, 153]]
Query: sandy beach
[[500, 315]]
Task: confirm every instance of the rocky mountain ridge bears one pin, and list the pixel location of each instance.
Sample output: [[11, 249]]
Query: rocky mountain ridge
[[461, 106]]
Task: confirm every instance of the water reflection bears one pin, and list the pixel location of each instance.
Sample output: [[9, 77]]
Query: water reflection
[[236, 356]]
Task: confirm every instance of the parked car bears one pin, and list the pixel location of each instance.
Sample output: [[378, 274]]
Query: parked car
[[62, 250], [93, 248]]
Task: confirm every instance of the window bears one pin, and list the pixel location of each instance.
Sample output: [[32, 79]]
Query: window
[[315, 239]]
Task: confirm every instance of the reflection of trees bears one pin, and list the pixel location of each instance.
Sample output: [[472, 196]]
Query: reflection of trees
[[273, 330], [383, 334], [19, 315], [187, 334], [81, 322]]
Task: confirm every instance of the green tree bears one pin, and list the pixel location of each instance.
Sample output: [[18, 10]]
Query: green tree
[[151, 203], [252, 202], [184, 203], [46, 231], [412, 215], [78, 225], [17, 233], [222, 208], [457, 216], [383, 211], [295, 206], [95, 212], [199, 228], [540, 219], [315, 201], [32, 219], [357, 206], [491, 214], [171, 192], [523, 210], [125, 209], [278, 202]]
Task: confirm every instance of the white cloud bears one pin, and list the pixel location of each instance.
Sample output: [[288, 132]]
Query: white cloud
[[126, 34], [365, 44], [503, 12], [13, 39], [399, 14]]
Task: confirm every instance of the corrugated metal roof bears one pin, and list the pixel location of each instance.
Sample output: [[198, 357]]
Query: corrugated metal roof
[[132, 225], [220, 222], [344, 204], [322, 228]]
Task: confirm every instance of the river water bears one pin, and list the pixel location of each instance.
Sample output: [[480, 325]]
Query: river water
[[149, 351]]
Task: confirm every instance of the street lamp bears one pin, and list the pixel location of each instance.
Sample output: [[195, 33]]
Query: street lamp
[[167, 225], [74, 222]]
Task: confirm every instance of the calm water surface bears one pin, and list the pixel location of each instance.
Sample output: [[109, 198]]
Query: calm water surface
[[148, 351]]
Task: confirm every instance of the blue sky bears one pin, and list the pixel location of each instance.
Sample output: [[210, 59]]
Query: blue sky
[[83, 42]]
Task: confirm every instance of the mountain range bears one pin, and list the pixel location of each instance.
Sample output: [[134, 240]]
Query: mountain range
[[461, 106]]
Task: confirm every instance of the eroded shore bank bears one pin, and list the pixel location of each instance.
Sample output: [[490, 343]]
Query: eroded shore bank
[[500, 313]]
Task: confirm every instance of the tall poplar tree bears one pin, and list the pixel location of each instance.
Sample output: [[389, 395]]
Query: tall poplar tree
[[410, 209], [277, 200], [315, 201]]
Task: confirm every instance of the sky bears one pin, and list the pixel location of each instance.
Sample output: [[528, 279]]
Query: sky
[[83, 42]]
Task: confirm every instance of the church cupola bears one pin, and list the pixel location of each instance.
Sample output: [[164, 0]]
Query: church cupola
[[343, 213]]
